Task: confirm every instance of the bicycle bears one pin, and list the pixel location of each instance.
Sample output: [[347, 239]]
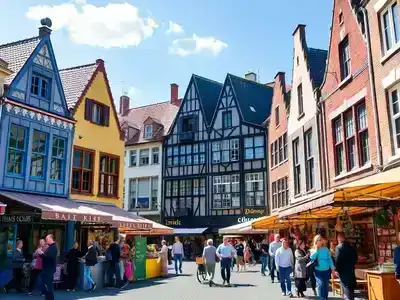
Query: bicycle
[[201, 273]]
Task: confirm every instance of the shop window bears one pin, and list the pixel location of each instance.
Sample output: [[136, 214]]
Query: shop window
[[82, 171], [57, 158], [254, 189], [109, 175]]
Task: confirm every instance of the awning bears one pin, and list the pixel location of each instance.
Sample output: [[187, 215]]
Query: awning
[[189, 231], [307, 205], [268, 222], [2, 208], [242, 228]]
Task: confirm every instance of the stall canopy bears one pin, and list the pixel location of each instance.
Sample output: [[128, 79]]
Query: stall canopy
[[242, 228], [157, 229], [189, 231], [63, 209]]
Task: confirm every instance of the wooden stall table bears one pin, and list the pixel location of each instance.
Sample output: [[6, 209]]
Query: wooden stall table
[[382, 286]]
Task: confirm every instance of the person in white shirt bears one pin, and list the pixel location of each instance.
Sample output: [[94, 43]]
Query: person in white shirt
[[177, 253], [273, 247], [284, 261]]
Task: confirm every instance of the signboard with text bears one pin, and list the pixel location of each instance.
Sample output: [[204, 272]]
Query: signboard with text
[[140, 258], [16, 219], [61, 216]]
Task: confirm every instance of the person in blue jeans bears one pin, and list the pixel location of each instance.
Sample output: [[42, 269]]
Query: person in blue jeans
[[284, 261], [264, 255], [225, 252], [273, 247], [323, 267], [177, 253]]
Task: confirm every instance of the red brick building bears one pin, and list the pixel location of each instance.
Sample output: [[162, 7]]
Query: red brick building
[[347, 106], [278, 148]]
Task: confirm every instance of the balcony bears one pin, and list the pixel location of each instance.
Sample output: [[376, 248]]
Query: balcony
[[186, 136]]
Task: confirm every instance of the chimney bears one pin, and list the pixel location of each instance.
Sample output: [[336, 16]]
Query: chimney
[[251, 76], [124, 104], [45, 30], [174, 94]]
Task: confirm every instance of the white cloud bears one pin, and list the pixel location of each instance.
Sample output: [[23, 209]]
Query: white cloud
[[174, 28], [196, 45], [112, 25]]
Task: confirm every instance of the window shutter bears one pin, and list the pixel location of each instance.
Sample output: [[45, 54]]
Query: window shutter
[[88, 109], [106, 115]]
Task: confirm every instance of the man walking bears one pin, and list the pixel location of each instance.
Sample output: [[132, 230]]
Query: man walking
[[264, 255], [284, 261], [273, 247], [345, 260], [49, 266], [91, 260], [225, 252], [18, 274], [114, 253], [177, 253], [239, 256], [209, 253]]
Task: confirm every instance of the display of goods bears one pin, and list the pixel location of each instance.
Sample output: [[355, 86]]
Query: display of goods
[[383, 218]]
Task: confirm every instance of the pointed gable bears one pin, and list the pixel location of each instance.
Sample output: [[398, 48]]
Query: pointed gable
[[281, 99], [253, 98]]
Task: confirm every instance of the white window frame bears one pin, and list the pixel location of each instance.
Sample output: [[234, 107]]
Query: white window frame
[[133, 153], [155, 151], [254, 177], [141, 151], [148, 131], [394, 117], [388, 9]]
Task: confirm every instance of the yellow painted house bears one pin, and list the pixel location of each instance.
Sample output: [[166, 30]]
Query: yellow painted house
[[98, 154]]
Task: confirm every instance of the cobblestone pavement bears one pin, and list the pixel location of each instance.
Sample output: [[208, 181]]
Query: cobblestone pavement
[[247, 285]]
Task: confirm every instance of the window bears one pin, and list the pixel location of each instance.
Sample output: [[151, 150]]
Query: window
[[310, 180], [340, 18], [254, 188], [355, 136], [285, 150], [395, 116], [144, 157], [225, 151], [186, 155], [154, 193], [82, 171], [148, 131], [279, 151], [252, 108], [40, 86], [184, 192], [132, 158], [390, 24], [226, 191], [57, 158], [273, 154], [38, 160], [97, 112], [227, 119], [16, 150], [109, 173], [296, 167], [280, 193], [155, 152], [300, 107], [143, 193], [254, 147], [344, 54], [188, 124], [277, 116]]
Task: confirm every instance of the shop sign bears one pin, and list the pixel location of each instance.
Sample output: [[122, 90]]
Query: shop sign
[[16, 219], [173, 222], [245, 219], [76, 217], [134, 225], [254, 211]]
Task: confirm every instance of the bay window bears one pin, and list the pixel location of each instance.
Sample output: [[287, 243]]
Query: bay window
[[226, 191]]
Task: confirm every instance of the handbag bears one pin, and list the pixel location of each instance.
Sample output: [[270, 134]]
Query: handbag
[[312, 264]]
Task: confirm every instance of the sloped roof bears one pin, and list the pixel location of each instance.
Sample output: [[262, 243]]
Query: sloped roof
[[316, 59], [252, 94], [164, 113], [209, 91], [75, 80], [16, 54]]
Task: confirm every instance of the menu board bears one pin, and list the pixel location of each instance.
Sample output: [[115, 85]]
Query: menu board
[[387, 242], [140, 258]]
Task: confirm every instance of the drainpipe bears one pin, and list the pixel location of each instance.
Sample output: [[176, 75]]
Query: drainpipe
[[321, 141], [373, 89], [323, 128]]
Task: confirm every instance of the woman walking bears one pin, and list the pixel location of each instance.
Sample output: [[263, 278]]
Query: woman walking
[[37, 265], [247, 255], [300, 269], [72, 259], [323, 266], [164, 258]]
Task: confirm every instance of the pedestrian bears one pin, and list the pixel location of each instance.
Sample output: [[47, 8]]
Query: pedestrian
[[114, 255], [177, 253], [300, 269], [90, 261], [209, 256], [18, 260], [321, 255], [264, 255], [163, 254], [225, 252], [311, 273], [37, 265], [49, 266], [72, 259], [239, 255], [273, 247], [396, 261], [247, 255], [284, 261], [345, 261]]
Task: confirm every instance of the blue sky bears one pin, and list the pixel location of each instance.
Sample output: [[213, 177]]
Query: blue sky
[[142, 58]]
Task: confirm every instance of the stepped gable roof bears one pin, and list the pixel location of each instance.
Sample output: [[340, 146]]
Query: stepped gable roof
[[209, 91], [316, 60], [16, 54], [162, 113], [75, 80], [253, 98]]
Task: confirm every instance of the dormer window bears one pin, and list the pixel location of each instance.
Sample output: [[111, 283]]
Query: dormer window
[[252, 108], [40, 86], [148, 131]]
